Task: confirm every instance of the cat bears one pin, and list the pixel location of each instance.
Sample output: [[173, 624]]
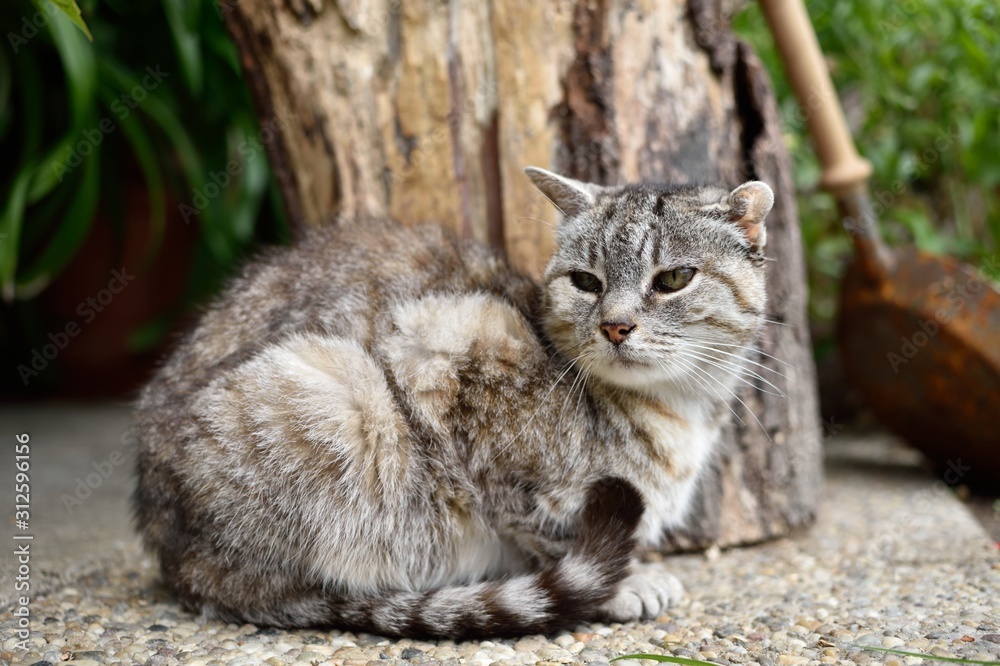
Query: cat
[[388, 429]]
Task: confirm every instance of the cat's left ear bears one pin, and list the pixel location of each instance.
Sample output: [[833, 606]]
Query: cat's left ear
[[749, 204], [570, 196]]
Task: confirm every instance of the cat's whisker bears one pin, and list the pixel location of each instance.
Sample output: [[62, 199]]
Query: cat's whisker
[[777, 323], [736, 373], [738, 356], [693, 368], [732, 393], [506, 445], [572, 388], [751, 349], [736, 370], [738, 364], [585, 373], [536, 219], [684, 366]]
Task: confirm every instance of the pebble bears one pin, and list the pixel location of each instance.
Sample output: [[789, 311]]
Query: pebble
[[770, 605]]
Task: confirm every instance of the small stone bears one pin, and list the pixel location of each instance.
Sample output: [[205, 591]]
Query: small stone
[[412, 653], [309, 655], [554, 654], [967, 639], [868, 640], [90, 654], [892, 642], [529, 644], [158, 627], [346, 653], [992, 638], [791, 660], [267, 631]]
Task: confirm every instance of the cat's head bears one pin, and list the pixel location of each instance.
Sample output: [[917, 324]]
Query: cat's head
[[651, 284]]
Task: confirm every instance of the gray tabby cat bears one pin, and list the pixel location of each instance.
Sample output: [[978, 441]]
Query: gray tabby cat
[[388, 429]]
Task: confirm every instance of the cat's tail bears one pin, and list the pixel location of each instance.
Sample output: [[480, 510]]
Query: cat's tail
[[566, 593]]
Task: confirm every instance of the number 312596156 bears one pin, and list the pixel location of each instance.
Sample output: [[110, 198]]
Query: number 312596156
[[22, 462]]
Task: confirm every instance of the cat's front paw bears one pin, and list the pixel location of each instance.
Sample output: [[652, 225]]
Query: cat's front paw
[[647, 593]]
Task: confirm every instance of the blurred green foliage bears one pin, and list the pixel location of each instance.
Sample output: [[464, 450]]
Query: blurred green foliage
[[158, 91], [920, 81]]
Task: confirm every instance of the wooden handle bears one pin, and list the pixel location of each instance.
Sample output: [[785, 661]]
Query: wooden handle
[[844, 171]]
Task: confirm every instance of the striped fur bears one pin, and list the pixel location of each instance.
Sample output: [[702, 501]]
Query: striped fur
[[567, 591], [388, 429]]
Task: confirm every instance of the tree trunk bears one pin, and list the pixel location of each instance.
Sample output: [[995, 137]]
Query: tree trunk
[[428, 110]]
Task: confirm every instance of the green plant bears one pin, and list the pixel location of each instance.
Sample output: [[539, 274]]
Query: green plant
[[665, 658], [918, 80], [171, 101]]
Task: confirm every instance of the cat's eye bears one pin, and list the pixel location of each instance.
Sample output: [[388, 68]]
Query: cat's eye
[[585, 281], [672, 280]]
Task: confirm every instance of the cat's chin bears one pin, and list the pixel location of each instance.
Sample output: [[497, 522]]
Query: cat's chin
[[635, 374]]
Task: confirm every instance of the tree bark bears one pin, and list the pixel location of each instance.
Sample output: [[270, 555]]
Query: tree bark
[[429, 110]]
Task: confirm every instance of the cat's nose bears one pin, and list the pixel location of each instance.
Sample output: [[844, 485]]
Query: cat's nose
[[617, 331]]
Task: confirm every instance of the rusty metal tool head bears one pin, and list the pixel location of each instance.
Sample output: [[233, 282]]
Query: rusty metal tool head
[[919, 335]]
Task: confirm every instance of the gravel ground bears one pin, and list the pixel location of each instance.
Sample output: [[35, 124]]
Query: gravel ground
[[895, 561]]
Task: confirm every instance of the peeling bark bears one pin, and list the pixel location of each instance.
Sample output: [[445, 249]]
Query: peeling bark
[[429, 110]]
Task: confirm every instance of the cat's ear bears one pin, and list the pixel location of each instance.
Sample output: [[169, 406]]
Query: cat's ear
[[749, 204], [572, 197]]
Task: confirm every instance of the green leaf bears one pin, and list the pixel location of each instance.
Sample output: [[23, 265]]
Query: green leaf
[[78, 61], [931, 657], [666, 658], [68, 236], [150, 334], [6, 110], [11, 220], [145, 153], [182, 16], [72, 12], [161, 114]]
